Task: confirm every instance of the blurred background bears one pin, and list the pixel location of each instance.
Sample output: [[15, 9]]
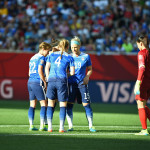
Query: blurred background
[[107, 29]]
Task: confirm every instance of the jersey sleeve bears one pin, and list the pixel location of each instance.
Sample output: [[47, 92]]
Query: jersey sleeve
[[89, 63], [42, 61], [141, 66], [71, 62], [48, 58]]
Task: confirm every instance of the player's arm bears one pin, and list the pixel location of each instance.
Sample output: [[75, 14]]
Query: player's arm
[[72, 71], [47, 68], [41, 73], [88, 74], [141, 66], [72, 67], [29, 72], [141, 70]]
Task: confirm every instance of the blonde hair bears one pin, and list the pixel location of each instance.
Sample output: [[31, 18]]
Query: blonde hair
[[45, 46], [76, 39], [63, 44]]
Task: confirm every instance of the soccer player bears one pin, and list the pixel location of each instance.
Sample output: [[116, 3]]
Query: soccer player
[[78, 84], [37, 84], [56, 66], [142, 86]]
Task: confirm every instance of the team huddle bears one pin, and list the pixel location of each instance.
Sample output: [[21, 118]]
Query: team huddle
[[59, 77], [68, 82]]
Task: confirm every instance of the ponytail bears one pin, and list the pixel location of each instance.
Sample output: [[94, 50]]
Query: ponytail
[[63, 44]]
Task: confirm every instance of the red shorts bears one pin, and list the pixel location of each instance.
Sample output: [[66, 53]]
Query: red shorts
[[144, 94]]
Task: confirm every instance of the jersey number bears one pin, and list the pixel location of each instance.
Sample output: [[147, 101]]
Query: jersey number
[[78, 65], [57, 61], [32, 67], [86, 96]]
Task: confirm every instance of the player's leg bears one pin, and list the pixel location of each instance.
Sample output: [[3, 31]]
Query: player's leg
[[69, 115], [142, 116], [70, 103], [31, 110], [45, 119], [31, 113], [86, 104], [42, 115], [41, 97], [52, 96], [62, 115], [50, 111], [62, 93]]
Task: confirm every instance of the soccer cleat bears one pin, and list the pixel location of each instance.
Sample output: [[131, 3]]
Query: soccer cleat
[[92, 129], [43, 129], [62, 131], [32, 128], [71, 129], [50, 130], [143, 132]]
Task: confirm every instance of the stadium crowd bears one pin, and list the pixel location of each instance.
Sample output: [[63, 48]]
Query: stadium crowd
[[102, 25]]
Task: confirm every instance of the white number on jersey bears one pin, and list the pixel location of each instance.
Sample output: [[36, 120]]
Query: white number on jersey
[[57, 61], [32, 67], [78, 65], [87, 96]]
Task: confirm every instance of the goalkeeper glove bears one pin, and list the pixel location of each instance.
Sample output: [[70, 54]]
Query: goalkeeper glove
[[137, 87]]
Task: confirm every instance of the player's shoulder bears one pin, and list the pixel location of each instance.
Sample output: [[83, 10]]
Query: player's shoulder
[[84, 54], [37, 56], [143, 52], [66, 54]]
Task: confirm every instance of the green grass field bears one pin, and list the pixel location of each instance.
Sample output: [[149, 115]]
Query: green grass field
[[115, 124]]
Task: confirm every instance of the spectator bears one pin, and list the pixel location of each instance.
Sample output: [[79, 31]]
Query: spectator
[[127, 46], [103, 21]]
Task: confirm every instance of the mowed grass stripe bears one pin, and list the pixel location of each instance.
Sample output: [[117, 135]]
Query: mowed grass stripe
[[64, 134], [3, 126]]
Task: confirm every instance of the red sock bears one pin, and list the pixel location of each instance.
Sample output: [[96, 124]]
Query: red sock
[[143, 117], [147, 112]]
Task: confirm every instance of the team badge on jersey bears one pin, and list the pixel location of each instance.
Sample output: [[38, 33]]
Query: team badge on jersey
[[82, 58], [141, 57], [42, 62]]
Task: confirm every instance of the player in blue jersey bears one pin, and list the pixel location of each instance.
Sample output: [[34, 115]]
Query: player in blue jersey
[[78, 84], [37, 84], [56, 73]]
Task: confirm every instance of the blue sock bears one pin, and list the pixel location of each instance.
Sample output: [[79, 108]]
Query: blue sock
[[31, 115], [45, 118], [89, 114], [70, 115], [69, 109], [43, 112], [50, 111], [62, 116]]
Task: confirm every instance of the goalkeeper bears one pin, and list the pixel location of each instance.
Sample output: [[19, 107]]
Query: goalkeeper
[[142, 86]]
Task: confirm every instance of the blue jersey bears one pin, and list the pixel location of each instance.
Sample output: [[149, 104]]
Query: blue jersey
[[81, 62], [34, 63], [58, 68]]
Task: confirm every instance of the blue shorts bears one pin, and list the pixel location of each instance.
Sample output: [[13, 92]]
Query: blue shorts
[[57, 90], [79, 93], [36, 91]]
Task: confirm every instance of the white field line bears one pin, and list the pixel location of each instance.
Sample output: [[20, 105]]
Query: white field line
[[63, 134], [5, 126]]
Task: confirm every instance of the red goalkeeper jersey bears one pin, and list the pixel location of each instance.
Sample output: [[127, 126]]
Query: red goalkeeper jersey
[[144, 66]]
